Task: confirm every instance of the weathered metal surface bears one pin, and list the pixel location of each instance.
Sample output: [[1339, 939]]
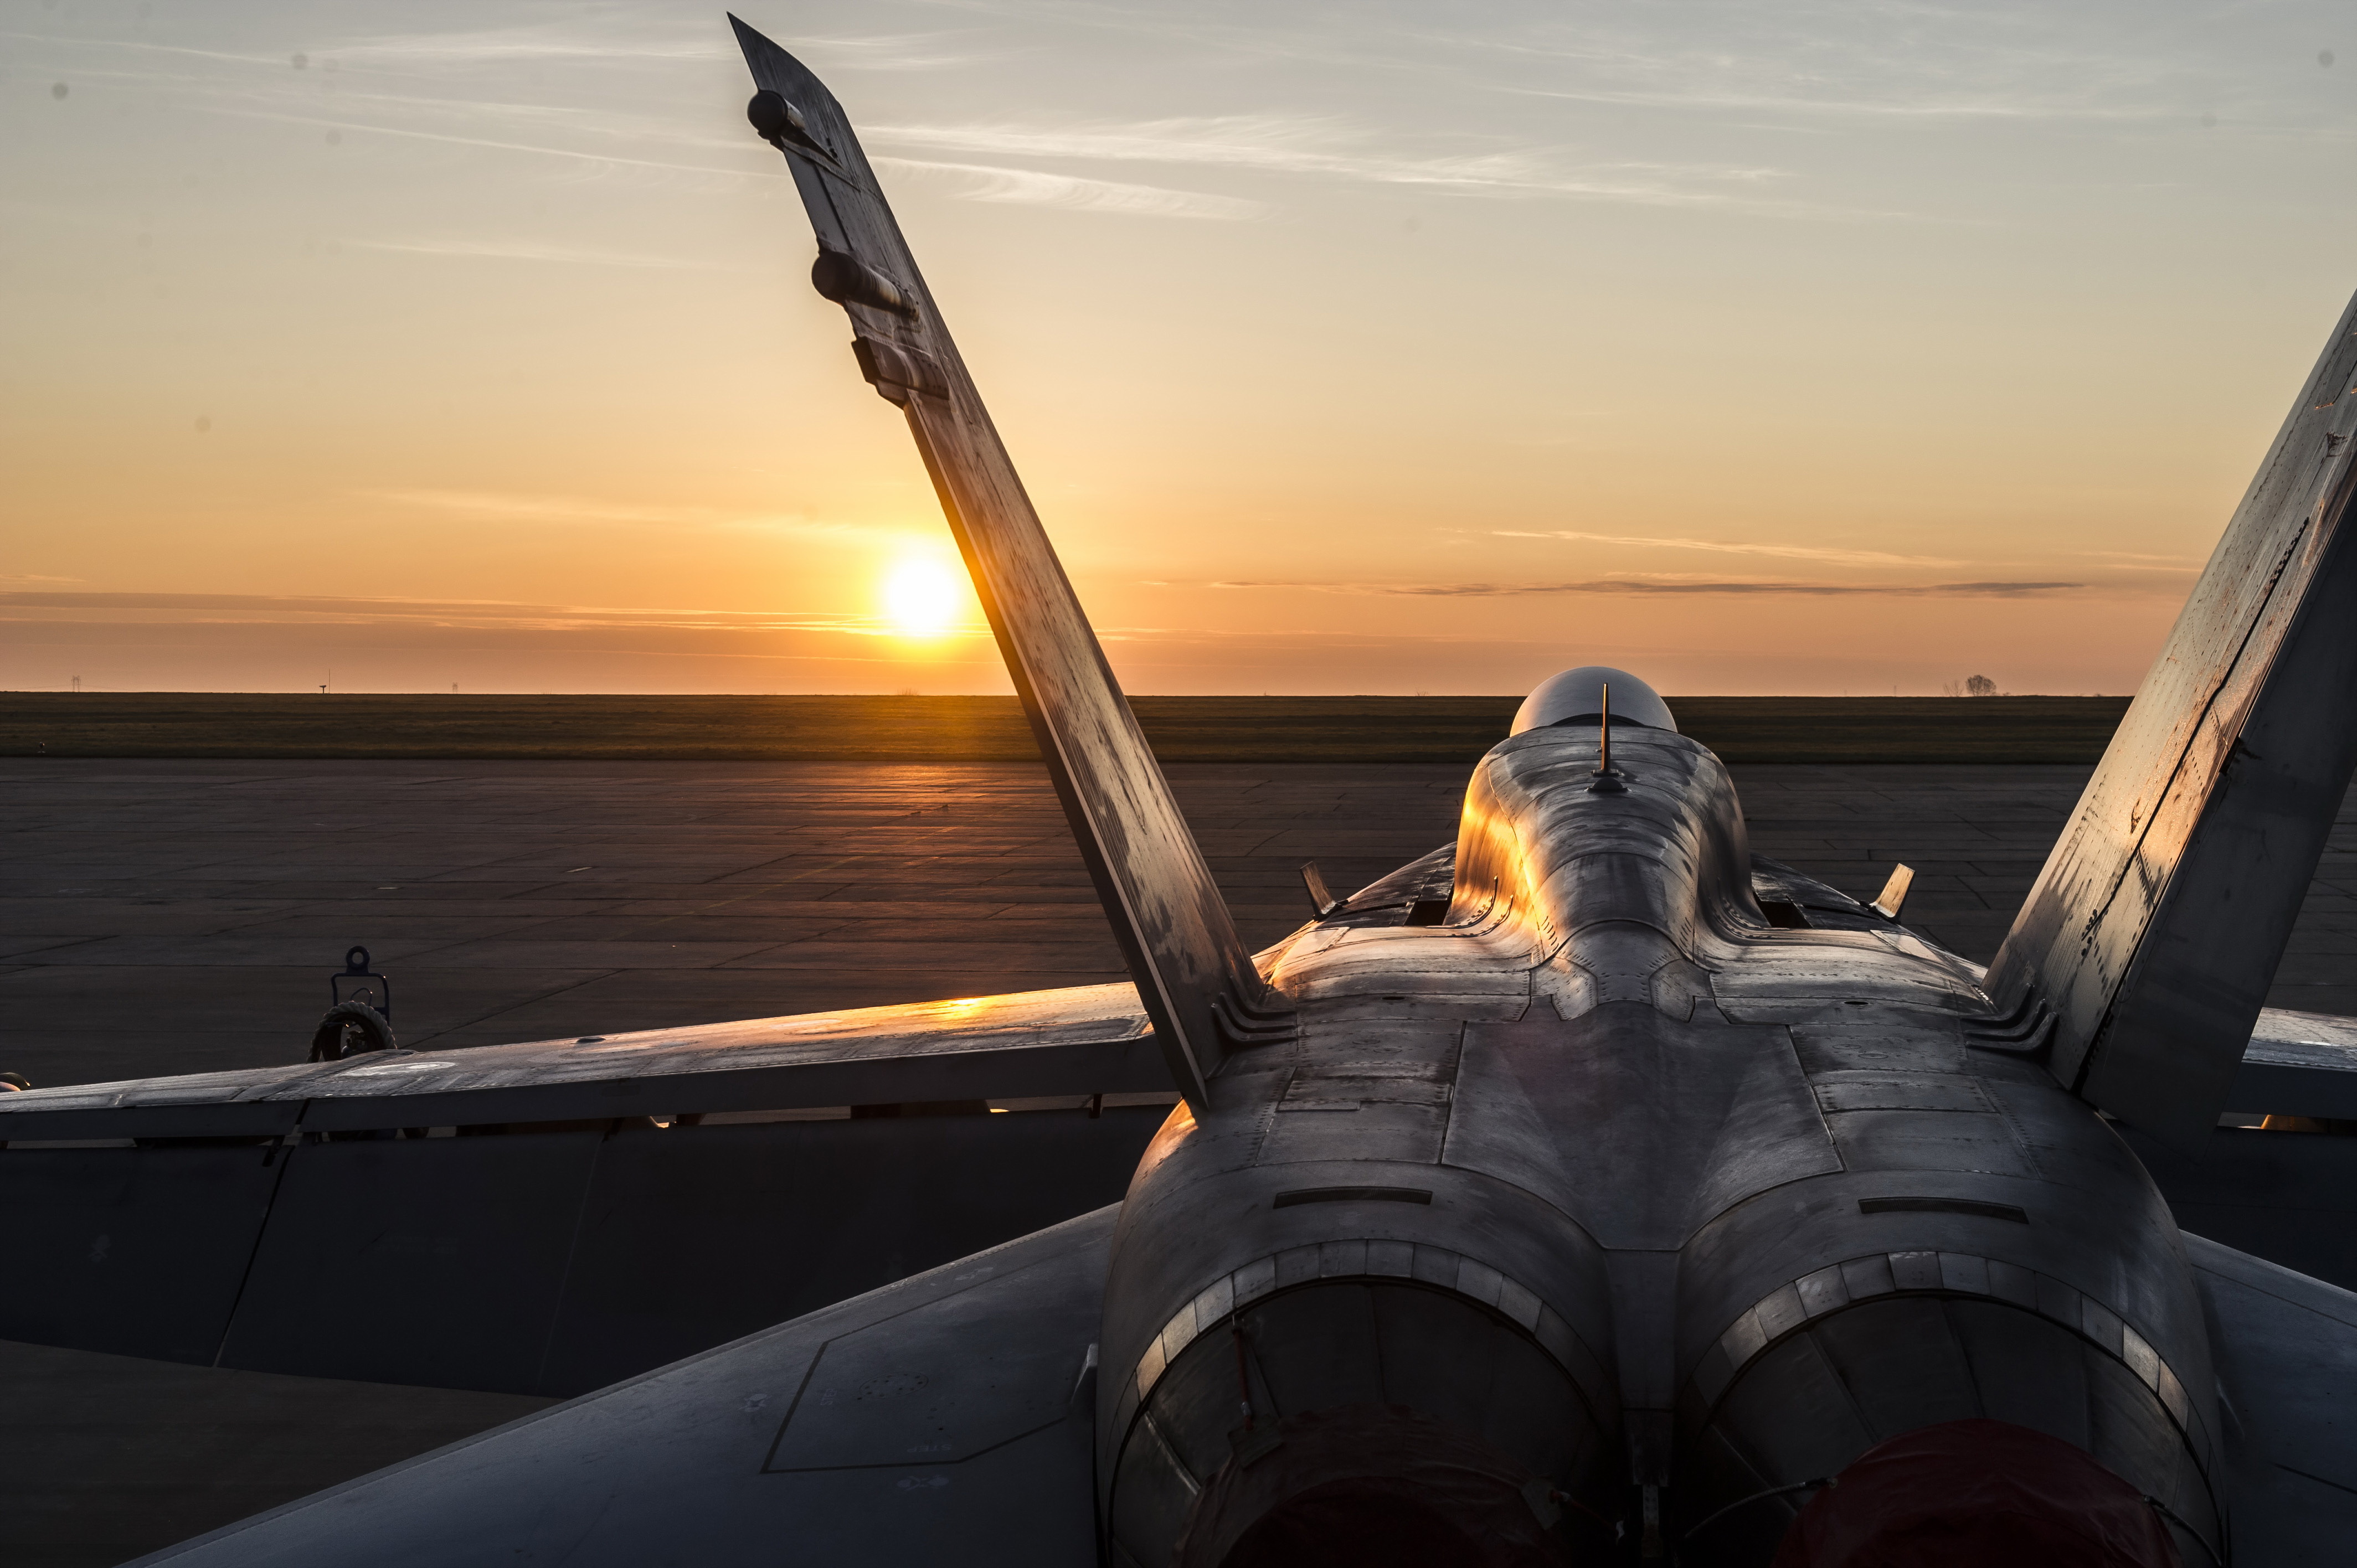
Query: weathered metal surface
[[740, 1456], [2156, 924], [1173, 929], [1087, 1039], [2287, 1354], [1600, 1071]]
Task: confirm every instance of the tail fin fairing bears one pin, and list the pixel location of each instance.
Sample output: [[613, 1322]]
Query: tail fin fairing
[[2155, 928], [1198, 983]]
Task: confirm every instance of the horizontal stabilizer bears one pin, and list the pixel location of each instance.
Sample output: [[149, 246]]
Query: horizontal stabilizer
[[2286, 1350], [1175, 930], [944, 1419], [2298, 1064], [2154, 931]]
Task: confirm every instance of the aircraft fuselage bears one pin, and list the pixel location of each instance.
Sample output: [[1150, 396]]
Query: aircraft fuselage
[[1607, 1196]]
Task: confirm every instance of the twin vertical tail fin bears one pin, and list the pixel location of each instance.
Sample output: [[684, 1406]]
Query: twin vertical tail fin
[[1198, 983], [2154, 932]]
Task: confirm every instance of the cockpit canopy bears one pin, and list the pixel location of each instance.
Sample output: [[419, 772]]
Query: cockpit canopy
[[1577, 696]]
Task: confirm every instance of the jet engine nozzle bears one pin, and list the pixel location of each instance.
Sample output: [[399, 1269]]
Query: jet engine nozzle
[[1966, 1493], [1372, 1484], [1572, 695]]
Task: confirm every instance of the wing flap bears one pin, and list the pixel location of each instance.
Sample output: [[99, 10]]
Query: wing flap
[[942, 1419], [544, 1261]]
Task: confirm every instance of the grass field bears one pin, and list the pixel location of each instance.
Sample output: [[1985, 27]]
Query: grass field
[[982, 729]]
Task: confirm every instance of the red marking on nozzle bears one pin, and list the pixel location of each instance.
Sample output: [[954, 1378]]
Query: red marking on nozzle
[[1968, 1494]]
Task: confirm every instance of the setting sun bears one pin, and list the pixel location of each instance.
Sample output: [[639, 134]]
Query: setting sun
[[922, 598], [235, 353]]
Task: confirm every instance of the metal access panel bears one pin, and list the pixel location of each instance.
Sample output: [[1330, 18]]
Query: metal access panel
[[135, 1251], [697, 1236], [433, 1260]]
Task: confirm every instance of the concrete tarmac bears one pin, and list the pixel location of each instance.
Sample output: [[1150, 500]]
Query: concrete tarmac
[[161, 917]]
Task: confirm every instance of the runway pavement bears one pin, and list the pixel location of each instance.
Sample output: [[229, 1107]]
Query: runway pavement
[[171, 916], [175, 917]]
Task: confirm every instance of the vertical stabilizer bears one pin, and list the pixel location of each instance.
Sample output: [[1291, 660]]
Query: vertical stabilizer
[[2155, 928], [1197, 981]]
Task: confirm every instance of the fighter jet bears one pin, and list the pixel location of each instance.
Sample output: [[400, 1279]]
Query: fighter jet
[[1587, 1191]]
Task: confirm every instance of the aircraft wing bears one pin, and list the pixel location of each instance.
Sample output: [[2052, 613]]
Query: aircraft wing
[[943, 1419], [2287, 1357], [547, 1218], [1083, 1040]]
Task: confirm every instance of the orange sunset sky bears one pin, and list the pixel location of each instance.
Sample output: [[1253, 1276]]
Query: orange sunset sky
[[1377, 347]]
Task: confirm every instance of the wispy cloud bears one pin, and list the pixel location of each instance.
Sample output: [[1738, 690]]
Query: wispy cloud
[[1731, 547], [1334, 148], [1675, 587], [630, 36], [1290, 144], [428, 87], [286, 609], [1798, 62], [894, 52], [595, 35], [415, 89], [984, 182], [508, 506], [1760, 83], [2133, 561], [525, 251], [142, 46], [580, 155]]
